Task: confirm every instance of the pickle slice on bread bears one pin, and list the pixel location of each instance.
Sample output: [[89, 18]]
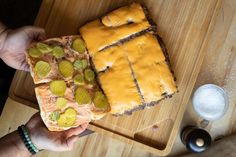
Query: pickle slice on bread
[[44, 48], [42, 69], [58, 87], [66, 68]]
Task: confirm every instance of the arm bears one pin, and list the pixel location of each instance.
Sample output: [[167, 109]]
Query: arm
[[14, 43], [12, 145], [13, 46], [42, 138]]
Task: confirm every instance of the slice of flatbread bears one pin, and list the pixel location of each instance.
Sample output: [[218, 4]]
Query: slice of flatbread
[[66, 86], [65, 43]]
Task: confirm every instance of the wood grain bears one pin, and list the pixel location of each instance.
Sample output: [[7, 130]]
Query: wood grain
[[220, 65], [191, 30]]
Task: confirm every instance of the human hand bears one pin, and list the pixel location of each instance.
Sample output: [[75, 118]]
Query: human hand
[[15, 44], [42, 138]]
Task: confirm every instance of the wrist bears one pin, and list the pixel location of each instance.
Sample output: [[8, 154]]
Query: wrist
[[25, 136], [33, 136], [19, 144]]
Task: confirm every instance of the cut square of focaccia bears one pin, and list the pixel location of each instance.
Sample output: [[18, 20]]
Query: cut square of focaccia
[[155, 85], [150, 67], [114, 27], [105, 59], [148, 70], [85, 103], [56, 58], [54, 109], [66, 86], [117, 81]]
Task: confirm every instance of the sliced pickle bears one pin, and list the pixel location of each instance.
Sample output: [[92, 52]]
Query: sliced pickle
[[79, 79], [80, 64], [82, 96], [79, 45], [54, 116], [89, 75], [44, 48], [66, 68], [35, 53], [100, 101], [84, 63], [68, 118], [70, 111], [58, 87], [61, 103], [42, 69], [58, 52]]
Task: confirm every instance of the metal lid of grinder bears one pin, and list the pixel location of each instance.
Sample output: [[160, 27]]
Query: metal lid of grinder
[[195, 139]]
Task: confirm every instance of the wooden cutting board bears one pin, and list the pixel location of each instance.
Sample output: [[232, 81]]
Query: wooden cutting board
[[185, 27]]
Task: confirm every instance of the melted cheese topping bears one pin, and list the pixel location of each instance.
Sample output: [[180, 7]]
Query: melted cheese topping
[[157, 81], [142, 53], [166, 78], [133, 13], [107, 58], [150, 69], [152, 72], [119, 87], [97, 36], [145, 49]]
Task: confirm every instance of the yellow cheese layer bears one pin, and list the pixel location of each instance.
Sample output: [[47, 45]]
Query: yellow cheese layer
[[144, 49], [119, 87], [97, 36], [157, 81], [133, 13], [148, 62], [107, 58]]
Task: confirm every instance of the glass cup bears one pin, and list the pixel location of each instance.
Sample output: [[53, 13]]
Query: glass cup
[[210, 102]]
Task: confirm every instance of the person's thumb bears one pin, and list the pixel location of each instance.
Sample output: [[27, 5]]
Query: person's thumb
[[34, 33], [24, 66], [71, 140], [76, 131]]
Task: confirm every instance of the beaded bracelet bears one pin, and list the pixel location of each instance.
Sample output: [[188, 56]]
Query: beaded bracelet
[[26, 139]]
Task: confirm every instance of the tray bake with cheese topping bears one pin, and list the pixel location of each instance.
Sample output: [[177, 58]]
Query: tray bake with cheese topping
[[118, 64], [130, 59]]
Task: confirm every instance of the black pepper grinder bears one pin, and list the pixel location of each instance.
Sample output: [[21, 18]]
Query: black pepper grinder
[[195, 139]]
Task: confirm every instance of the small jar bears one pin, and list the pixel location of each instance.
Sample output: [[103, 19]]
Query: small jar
[[195, 139], [210, 102]]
